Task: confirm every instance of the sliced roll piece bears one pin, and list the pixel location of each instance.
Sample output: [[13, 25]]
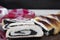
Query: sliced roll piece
[[7, 26], [8, 21], [24, 32], [47, 28], [55, 23]]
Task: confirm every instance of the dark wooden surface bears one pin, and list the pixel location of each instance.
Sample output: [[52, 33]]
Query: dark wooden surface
[[31, 4], [56, 37]]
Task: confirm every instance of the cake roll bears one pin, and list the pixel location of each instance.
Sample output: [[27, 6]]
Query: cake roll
[[47, 28], [7, 26], [55, 23], [41, 18], [24, 32], [8, 21]]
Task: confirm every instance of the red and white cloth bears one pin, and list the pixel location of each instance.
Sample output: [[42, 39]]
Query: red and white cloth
[[2, 35], [3, 12]]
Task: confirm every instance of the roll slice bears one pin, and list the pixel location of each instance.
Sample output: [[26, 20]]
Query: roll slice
[[55, 23], [47, 28], [8, 21], [24, 32], [5, 27]]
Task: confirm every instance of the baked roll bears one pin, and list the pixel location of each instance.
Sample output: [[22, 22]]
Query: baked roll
[[55, 23], [47, 28], [8, 21], [24, 32], [7, 26]]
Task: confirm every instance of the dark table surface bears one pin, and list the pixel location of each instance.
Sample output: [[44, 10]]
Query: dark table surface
[[56, 37], [31, 4]]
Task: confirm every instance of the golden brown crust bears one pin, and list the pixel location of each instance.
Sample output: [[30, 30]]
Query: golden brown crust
[[44, 23], [42, 16], [3, 23], [55, 16], [36, 18], [54, 23]]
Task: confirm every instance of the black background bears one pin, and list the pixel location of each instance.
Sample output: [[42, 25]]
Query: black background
[[31, 4]]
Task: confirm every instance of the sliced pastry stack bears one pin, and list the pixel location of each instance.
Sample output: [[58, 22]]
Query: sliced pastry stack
[[26, 29], [37, 27], [50, 23]]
